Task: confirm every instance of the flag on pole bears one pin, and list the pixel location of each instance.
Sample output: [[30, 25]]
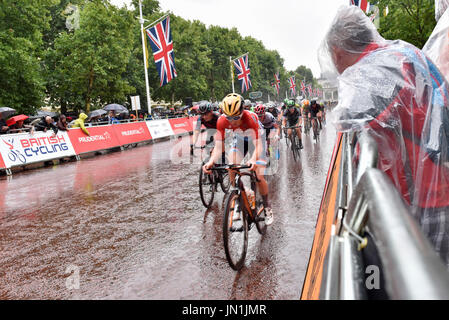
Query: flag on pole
[[162, 45], [309, 87], [303, 88], [362, 4], [277, 82], [243, 72], [291, 80]]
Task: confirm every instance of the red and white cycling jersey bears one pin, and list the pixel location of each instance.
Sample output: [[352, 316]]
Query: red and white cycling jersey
[[249, 126]]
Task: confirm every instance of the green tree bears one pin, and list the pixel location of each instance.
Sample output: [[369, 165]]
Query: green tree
[[409, 20], [90, 63], [222, 43], [22, 24]]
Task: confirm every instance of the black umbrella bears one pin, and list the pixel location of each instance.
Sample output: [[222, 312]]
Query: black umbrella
[[47, 113], [96, 113], [114, 107], [7, 112]]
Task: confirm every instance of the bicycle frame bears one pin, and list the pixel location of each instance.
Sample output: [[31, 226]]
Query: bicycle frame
[[240, 187]]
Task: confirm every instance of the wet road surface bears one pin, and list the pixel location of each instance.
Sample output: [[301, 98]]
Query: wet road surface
[[131, 225]]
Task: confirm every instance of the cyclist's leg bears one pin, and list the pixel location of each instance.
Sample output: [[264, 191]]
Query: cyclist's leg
[[262, 185], [235, 155]]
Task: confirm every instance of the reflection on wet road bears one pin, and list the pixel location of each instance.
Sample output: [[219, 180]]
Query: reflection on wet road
[[130, 225]]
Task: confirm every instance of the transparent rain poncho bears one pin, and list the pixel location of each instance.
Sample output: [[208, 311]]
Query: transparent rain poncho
[[391, 90], [437, 47], [440, 8]]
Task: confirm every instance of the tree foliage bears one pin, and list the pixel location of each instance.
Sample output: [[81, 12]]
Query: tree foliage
[[409, 20], [83, 54], [22, 24]]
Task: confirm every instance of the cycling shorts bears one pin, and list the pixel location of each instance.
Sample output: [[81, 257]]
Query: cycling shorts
[[243, 146]]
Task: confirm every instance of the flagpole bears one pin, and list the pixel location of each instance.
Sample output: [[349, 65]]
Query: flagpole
[[154, 22], [232, 74], [141, 20]]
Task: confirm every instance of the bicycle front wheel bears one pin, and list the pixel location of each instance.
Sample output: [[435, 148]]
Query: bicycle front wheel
[[207, 188], [260, 216], [235, 231], [225, 181], [296, 147], [293, 146]]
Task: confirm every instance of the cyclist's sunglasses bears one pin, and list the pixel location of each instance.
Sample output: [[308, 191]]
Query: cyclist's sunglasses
[[234, 118]]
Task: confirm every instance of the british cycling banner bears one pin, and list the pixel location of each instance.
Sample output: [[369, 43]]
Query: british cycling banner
[[131, 132], [101, 138], [159, 128], [24, 148]]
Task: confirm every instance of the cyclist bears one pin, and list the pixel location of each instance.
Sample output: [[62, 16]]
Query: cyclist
[[323, 112], [207, 118], [268, 123], [247, 104], [292, 117], [273, 110], [247, 138], [305, 111], [315, 113]]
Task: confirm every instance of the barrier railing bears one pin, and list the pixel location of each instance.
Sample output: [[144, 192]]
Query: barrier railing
[[368, 201]]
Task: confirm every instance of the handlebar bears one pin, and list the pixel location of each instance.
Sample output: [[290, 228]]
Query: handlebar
[[231, 166]]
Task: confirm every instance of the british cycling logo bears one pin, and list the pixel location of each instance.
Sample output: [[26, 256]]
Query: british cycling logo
[[38, 147], [14, 155]]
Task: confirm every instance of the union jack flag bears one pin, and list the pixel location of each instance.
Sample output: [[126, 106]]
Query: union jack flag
[[362, 4], [162, 45], [303, 88], [292, 85], [242, 66], [310, 89], [277, 82]]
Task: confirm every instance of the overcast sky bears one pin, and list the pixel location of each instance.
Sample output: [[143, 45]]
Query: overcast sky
[[294, 28]]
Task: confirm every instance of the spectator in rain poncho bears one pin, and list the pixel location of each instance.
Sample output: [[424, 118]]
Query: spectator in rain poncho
[[79, 123], [391, 90], [437, 47]]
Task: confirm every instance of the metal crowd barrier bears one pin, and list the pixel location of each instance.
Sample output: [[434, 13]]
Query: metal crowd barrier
[[368, 201]]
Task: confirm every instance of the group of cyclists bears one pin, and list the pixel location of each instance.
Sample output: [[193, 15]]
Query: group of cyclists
[[252, 126]]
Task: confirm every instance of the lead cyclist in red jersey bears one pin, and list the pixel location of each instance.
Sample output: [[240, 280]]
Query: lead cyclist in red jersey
[[247, 138]]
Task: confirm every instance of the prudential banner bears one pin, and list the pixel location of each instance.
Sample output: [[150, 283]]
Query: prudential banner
[[24, 148]]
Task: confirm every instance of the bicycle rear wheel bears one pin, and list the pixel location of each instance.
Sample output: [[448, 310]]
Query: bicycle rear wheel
[[235, 232], [207, 188]]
